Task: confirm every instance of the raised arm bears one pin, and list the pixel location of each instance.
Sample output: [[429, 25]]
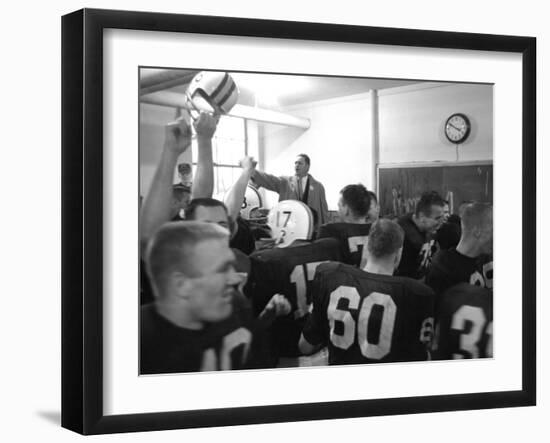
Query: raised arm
[[157, 204], [236, 194], [203, 183]]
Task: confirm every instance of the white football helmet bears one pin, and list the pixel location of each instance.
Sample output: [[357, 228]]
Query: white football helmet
[[213, 92], [252, 201], [290, 220]]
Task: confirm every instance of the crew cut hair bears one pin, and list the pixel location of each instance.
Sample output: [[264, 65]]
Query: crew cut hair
[[476, 215], [357, 198], [205, 202], [172, 248], [427, 200], [385, 238]]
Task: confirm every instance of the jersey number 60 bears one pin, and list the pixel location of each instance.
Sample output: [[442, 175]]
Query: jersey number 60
[[374, 351]]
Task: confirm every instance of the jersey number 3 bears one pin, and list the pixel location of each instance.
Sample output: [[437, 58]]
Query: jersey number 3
[[376, 350], [469, 322]]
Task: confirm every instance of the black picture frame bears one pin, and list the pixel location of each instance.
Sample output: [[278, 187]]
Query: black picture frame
[[82, 220]]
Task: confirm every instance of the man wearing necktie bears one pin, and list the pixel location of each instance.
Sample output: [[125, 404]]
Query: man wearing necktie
[[300, 186]]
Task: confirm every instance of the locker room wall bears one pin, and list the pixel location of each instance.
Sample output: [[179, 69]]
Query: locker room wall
[[151, 139], [339, 143], [412, 120]]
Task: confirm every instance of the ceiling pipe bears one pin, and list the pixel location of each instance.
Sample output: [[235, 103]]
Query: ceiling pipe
[[163, 80], [153, 78], [175, 100]]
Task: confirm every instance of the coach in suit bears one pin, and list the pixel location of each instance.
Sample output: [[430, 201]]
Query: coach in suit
[[300, 186]]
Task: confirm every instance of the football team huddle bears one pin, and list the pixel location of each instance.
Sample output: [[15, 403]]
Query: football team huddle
[[228, 286]]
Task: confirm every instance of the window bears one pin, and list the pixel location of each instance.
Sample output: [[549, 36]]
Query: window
[[228, 147]]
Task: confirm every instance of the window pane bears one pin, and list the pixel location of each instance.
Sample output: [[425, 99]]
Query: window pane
[[228, 147], [224, 179]]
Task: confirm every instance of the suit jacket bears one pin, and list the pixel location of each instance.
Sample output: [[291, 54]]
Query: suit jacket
[[287, 188]]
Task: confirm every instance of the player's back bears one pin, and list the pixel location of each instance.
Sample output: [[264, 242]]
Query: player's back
[[353, 240], [369, 318], [450, 267], [289, 271], [464, 323]]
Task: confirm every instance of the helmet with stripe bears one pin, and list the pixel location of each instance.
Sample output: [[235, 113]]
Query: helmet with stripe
[[290, 220], [212, 91]]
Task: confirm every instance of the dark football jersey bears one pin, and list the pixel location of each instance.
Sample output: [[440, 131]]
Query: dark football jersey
[[369, 318], [465, 323], [288, 271], [450, 267], [353, 240], [243, 239], [167, 348], [448, 235], [146, 294], [417, 250]]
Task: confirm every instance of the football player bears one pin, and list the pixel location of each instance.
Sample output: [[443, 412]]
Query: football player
[[448, 234], [471, 261], [352, 231], [419, 228], [465, 323], [288, 271], [369, 316], [200, 320], [191, 269]]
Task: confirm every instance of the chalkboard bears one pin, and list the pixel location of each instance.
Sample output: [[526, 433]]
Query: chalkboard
[[400, 187]]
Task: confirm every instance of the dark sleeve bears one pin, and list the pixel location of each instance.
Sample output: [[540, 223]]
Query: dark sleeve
[[448, 235], [258, 356], [316, 328], [260, 285], [407, 265], [243, 240], [146, 295], [324, 232], [437, 278]]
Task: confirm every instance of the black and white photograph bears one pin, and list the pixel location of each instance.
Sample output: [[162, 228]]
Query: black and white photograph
[[290, 220], [241, 221]]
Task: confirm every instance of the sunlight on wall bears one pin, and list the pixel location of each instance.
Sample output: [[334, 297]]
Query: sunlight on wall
[[339, 143]]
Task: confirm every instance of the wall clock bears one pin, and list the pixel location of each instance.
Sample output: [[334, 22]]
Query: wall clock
[[457, 128]]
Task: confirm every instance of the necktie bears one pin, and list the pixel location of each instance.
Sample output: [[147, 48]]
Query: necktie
[[299, 188]]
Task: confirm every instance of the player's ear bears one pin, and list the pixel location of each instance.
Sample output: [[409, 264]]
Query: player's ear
[[180, 284], [346, 210], [398, 258], [477, 232]]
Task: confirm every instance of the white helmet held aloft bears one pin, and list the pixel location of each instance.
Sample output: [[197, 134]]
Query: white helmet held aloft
[[212, 91], [290, 220]]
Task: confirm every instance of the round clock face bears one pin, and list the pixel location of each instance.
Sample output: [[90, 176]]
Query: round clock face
[[457, 128]]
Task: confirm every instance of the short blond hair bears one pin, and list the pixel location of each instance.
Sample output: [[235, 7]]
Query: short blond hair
[[173, 247]]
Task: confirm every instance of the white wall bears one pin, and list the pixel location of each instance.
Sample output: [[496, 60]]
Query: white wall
[[151, 140], [338, 142], [412, 121]]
